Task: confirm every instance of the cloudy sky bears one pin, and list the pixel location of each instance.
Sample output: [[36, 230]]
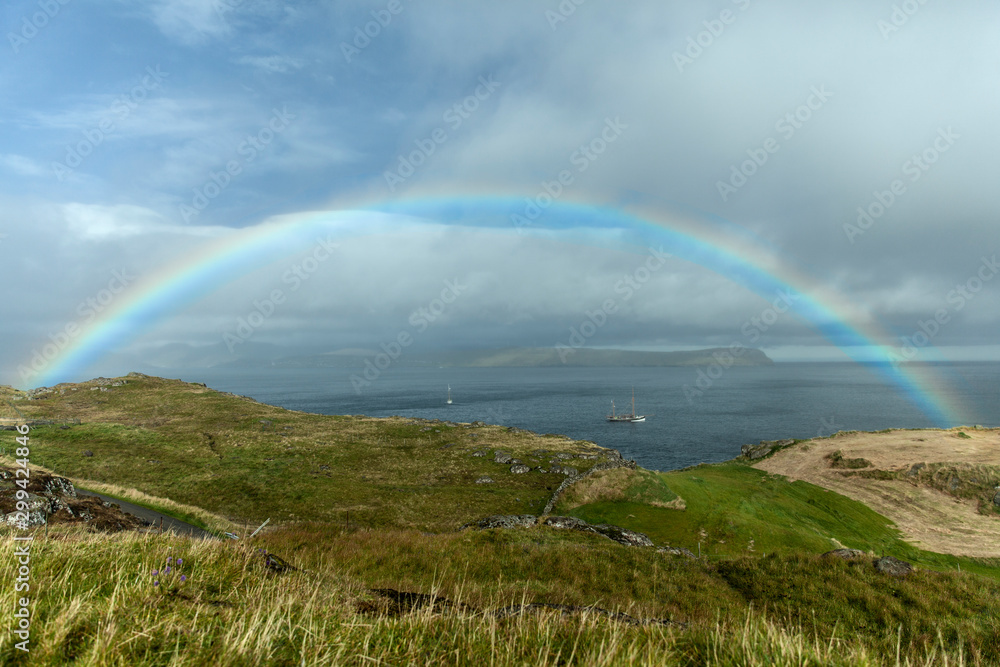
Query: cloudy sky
[[856, 141]]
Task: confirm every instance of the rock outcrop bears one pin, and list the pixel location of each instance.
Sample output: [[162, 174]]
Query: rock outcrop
[[52, 499], [617, 534], [754, 452], [892, 566]]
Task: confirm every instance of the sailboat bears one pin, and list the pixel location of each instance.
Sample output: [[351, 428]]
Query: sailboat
[[632, 417], [449, 394]]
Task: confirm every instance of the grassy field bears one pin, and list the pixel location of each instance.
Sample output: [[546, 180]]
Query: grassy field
[[734, 510], [248, 462], [760, 595], [96, 601]]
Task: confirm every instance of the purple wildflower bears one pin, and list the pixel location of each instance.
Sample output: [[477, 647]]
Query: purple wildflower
[[180, 560], [156, 572], [167, 571], [183, 578], [156, 583]]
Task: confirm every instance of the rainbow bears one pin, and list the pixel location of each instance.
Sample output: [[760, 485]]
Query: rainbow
[[635, 223]]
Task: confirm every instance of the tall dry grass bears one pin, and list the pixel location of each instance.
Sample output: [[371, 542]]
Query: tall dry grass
[[94, 602]]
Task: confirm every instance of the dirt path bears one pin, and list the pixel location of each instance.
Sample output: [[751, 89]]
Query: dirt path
[[169, 522], [928, 518]]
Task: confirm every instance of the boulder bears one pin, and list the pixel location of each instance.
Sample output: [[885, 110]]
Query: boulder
[[893, 566], [996, 499], [502, 457], [519, 469], [754, 452], [629, 538], [485, 479]]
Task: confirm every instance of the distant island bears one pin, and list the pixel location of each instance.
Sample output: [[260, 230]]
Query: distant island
[[523, 357]]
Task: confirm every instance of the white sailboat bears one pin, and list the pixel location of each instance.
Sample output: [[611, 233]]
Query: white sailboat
[[449, 394], [632, 417]]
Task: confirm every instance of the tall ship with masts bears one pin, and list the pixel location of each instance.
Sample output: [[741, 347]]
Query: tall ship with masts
[[623, 417]]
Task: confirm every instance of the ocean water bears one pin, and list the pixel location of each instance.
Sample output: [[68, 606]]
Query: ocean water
[[786, 400]]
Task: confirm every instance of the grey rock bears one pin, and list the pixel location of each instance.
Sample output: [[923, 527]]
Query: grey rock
[[502, 457], [567, 523], [479, 453], [996, 499], [915, 469], [754, 452], [629, 538], [519, 469], [615, 533], [88, 453], [893, 566], [485, 479], [503, 521]]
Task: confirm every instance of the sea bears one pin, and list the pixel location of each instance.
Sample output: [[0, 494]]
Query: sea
[[682, 428]]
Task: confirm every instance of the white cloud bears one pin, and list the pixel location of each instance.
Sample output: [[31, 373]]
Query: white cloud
[[193, 21], [274, 63], [103, 223], [22, 165]]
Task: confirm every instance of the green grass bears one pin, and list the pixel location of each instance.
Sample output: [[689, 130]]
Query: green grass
[[249, 461], [94, 603], [734, 509]]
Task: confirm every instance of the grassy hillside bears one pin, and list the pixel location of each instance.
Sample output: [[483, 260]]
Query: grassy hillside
[[734, 510], [97, 602], [248, 461], [760, 595]]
